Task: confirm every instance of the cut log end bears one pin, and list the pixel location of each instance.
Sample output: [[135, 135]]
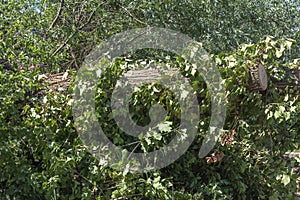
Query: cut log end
[[258, 78]]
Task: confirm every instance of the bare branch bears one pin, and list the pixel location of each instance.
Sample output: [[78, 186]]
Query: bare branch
[[138, 144], [62, 45], [55, 19], [88, 21], [131, 15], [80, 28]]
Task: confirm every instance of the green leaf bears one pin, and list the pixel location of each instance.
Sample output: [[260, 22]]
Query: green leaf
[[165, 126], [277, 114], [288, 44], [279, 53], [285, 179]]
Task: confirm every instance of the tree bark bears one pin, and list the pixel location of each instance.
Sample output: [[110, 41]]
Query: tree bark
[[258, 78]]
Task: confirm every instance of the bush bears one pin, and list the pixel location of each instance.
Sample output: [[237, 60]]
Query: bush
[[42, 156]]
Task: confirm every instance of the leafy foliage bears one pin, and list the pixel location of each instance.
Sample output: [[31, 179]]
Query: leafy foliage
[[41, 154]]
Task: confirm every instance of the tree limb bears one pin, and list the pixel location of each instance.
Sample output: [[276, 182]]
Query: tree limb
[[55, 19], [131, 15]]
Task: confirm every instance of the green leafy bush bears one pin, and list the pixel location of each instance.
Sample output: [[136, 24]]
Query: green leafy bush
[[42, 156]]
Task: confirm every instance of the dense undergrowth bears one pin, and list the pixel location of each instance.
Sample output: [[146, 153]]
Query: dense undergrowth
[[42, 156]]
